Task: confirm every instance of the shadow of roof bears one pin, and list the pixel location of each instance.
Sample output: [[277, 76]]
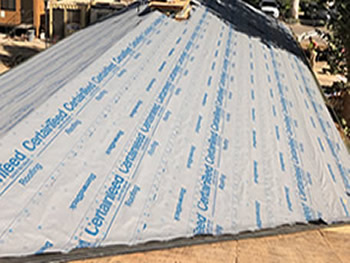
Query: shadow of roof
[[247, 20]]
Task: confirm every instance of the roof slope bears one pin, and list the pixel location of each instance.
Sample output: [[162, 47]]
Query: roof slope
[[214, 125], [26, 87]]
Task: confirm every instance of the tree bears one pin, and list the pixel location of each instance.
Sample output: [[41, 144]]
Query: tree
[[338, 58], [340, 27], [295, 9]]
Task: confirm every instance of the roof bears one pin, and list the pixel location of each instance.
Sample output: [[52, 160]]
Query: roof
[[141, 128]]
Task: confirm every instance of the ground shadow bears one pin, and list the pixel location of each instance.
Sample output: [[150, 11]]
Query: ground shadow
[[17, 54], [254, 24]]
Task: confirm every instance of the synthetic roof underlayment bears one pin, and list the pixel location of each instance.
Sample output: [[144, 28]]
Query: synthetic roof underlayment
[[143, 128]]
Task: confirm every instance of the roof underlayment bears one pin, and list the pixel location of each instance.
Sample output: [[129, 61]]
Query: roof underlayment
[[141, 128]]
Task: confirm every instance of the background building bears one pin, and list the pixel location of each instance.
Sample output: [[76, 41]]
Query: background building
[[22, 13]]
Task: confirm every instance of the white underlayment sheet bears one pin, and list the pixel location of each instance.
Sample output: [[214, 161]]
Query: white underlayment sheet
[[178, 129]]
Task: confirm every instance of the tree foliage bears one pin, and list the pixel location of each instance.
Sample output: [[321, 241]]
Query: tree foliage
[[340, 33]]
